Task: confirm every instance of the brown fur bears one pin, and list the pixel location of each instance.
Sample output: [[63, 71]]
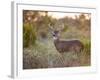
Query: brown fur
[[68, 46]]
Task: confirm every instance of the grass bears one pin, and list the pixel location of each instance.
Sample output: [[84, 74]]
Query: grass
[[45, 55]]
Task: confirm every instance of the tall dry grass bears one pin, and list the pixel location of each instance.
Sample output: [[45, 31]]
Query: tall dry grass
[[45, 55]]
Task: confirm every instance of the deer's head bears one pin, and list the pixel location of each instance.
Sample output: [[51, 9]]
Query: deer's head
[[55, 32]]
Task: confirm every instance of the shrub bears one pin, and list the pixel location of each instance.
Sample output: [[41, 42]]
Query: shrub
[[29, 35]]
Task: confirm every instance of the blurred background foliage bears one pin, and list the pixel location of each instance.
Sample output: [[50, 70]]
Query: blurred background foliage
[[36, 32], [35, 26]]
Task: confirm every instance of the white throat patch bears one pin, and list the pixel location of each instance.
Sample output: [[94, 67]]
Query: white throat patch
[[55, 38]]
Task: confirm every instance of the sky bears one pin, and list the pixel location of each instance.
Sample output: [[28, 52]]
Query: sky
[[58, 15], [61, 15]]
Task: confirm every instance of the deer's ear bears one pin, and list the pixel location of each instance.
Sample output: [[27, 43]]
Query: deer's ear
[[60, 27], [50, 27], [59, 33]]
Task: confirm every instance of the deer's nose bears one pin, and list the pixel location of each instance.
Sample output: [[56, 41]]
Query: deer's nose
[[54, 35]]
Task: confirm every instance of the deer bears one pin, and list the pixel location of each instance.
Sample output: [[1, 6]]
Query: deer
[[65, 45]]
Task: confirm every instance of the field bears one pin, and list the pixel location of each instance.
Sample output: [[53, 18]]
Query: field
[[39, 50]]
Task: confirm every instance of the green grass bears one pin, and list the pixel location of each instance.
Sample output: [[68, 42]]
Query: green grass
[[45, 55]]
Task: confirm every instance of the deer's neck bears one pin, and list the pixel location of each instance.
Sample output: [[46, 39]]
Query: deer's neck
[[56, 41]]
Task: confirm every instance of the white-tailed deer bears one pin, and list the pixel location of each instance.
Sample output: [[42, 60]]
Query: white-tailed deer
[[64, 45]]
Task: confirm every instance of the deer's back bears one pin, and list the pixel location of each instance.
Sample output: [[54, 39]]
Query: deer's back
[[66, 46]]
